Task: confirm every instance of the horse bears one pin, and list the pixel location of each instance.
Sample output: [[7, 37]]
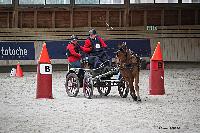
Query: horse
[[129, 67]]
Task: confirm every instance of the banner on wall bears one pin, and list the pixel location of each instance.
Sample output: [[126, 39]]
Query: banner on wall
[[140, 47], [57, 49], [17, 51]]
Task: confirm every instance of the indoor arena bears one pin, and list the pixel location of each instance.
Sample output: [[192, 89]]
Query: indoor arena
[[99, 66]]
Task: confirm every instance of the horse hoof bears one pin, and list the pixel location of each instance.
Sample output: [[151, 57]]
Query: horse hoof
[[134, 98], [139, 100]]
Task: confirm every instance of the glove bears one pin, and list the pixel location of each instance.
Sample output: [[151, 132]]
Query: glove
[[91, 48], [81, 47]]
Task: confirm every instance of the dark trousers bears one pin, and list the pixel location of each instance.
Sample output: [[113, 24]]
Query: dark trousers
[[94, 61], [98, 57]]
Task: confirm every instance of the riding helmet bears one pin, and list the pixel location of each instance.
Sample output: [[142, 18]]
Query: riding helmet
[[92, 32], [74, 38]]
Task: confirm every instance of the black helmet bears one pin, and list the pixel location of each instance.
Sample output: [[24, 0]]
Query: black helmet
[[92, 32], [74, 38]]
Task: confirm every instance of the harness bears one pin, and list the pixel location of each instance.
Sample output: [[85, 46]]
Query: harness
[[127, 64]]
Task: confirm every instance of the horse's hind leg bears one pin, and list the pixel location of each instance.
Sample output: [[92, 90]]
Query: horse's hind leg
[[137, 87], [132, 90]]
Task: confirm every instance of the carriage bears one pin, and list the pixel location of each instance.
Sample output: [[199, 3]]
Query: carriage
[[102, 78]]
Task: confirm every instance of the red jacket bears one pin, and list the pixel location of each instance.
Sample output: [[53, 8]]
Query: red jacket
[[74, 56], [88, 46]]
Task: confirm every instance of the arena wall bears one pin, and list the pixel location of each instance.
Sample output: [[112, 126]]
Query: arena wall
[[176, 26]]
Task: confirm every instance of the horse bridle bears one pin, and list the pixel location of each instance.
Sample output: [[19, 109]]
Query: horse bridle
[[124, 65]]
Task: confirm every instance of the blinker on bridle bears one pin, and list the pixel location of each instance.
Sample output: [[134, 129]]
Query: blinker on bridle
[[122, 50]]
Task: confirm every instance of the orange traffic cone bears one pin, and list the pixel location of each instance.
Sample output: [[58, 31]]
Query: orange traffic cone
[[157, 55], [44, 56], [19, 72], [44, 75], [156, 79]]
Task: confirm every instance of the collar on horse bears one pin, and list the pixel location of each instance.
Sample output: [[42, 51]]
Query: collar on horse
[[129, 66]]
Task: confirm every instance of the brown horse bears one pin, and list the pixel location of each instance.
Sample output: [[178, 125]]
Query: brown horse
[[129, 67]]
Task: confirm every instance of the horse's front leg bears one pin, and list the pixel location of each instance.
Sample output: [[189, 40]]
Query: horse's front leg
[[132, 90], [137, 86]]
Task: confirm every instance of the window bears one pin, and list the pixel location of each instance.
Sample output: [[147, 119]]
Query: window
[[99, 1], [152, 1], [57, 1], [32, 2], [141, 1], [43, 2], [111, 1], [166, 1], [190, 1], [5, 1], [86, 1]]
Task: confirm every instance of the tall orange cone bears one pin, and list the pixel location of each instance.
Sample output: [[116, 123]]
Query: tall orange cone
[[44, 56], [157, 55], [19, 72], [156, 79], [44, 75]]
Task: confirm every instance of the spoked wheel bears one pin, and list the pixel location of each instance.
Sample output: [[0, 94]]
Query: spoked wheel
[[123, 89], [104, 88], [87, 87], [72, 85]]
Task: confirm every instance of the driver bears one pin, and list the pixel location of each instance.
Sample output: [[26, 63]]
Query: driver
[[94, 46]]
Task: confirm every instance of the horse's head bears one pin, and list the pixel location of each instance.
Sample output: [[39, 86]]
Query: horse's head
[[121, 54], [125, 55], [122, 46]]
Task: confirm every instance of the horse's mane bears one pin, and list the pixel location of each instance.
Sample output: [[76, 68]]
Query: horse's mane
[[133, 56]]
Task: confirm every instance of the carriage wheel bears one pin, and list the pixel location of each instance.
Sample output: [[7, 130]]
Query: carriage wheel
[[72, 85], [104, 91], [123, 89], [87, 87]]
